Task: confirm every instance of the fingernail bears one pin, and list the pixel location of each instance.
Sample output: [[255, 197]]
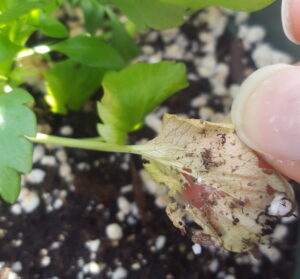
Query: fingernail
[[266, 111], [290, 11]]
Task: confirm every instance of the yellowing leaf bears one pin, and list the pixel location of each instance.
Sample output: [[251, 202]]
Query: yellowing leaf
[[218, 182]]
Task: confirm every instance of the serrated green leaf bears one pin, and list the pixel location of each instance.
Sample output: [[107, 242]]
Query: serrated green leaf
[[93, 13], [239, 5], [8, 50], [70, 84], [51, 26], [154, 13], [120, 39], [129, 95], [16, 121], [90, 51]]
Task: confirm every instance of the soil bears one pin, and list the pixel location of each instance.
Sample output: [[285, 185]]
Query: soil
[[83, 192]]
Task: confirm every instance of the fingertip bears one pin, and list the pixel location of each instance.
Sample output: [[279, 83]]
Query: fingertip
[[288, 168], [290, 12], [266, 112]]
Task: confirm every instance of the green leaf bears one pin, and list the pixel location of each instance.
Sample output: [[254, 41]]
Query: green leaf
[[22, 7], [90, 51], [18, 75], [93, 13], [121, 40], [163, 14], [70, 84], [74, 2], [2, 5], [8, 50], [129, 95], [244, 5], [5, 67], [51, 26], [16, 121], [154, 13]]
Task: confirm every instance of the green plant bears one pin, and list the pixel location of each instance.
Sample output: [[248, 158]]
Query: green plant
[[185, 154], [107, 45]]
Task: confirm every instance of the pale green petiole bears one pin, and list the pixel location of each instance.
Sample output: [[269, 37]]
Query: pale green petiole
[[90, 144], [159, 153]]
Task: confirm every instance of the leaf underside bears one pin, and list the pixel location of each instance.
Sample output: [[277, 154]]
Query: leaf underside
[[217, 181]]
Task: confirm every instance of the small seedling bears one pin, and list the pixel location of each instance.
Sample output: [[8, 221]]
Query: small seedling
[[211, 175]]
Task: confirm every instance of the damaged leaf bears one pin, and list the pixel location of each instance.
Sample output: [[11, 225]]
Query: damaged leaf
[[218, 182]]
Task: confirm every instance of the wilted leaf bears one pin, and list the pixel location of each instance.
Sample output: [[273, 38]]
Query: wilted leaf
[[217, 181]]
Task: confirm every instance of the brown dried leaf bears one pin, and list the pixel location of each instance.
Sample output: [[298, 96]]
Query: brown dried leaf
[[218, 182]]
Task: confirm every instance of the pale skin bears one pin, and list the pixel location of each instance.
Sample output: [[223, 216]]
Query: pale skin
[[271, 120]]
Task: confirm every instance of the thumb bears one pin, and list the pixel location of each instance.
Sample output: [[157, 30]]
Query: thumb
[[290, 13], [267, 116]]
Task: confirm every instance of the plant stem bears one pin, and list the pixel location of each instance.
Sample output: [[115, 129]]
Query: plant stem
[[84, 144]]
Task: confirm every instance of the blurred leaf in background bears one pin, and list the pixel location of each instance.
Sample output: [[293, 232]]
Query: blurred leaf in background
[[163, 14], [93, 13], [120, 39], [90, 51], [48, 25], [8, 50], [248, 6], [154, 13], [69, 84]]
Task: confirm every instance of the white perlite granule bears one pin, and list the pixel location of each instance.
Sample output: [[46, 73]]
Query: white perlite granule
[[119, 273], [114, 231], [197, 249]]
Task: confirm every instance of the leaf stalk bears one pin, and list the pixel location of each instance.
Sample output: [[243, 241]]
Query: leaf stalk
[[90, 144]]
